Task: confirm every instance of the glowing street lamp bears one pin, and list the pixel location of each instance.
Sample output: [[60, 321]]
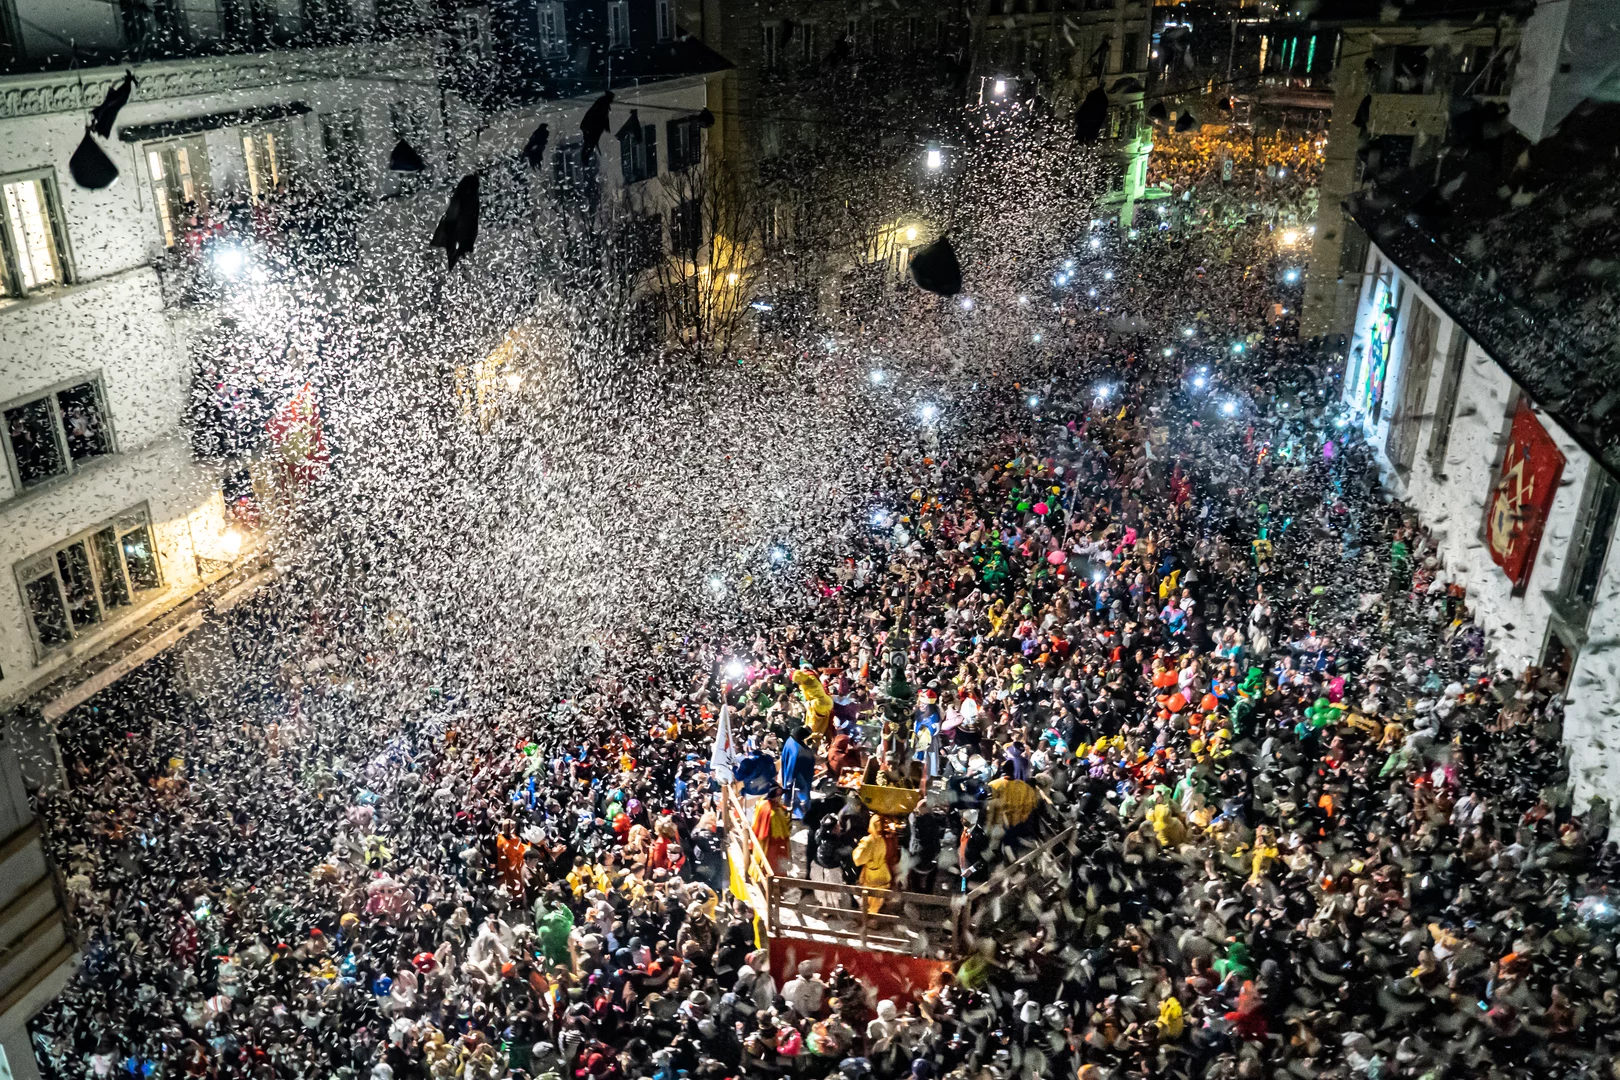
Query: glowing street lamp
[[935, 157]]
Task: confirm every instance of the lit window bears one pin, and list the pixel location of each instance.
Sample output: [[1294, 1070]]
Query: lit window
[[84, 582], [31, 238], [51, 434], [176, 171], [619, 24], [263, 164]]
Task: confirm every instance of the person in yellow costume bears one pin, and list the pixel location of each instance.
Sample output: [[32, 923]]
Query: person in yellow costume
[[1264, 853], [1168, 827], [1011, 802], [818, 704], [1170, 1020], [872, 860]]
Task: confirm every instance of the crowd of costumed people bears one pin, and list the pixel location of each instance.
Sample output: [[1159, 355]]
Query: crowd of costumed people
[[1317, 832]]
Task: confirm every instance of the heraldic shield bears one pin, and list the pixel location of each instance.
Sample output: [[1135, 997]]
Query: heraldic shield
[[1517, 507]]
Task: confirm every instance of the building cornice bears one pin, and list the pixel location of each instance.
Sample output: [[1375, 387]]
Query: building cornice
[[48, 92]]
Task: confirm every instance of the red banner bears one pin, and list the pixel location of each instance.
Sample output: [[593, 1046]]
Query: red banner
[[881, 974], [1517, 508]]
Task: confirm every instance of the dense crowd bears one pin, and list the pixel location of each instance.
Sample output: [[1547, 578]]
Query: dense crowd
[[1317, 832]]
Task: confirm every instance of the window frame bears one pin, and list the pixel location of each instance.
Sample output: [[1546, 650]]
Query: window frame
[[1445, 405], [690, 143], [1599, 483], [567, 157], [44, 564], [352, 177], [618, 19], [770, 46], [10, 268], [171, 231], [664, 19], [638, 157], [49, 395], [551, 28]]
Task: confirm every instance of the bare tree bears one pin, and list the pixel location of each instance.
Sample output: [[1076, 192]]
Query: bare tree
[[707, 275]]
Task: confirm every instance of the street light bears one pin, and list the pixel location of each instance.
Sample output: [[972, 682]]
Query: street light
[[928, 412], [1000, 87], [935, 157], [1229, 408], [735, 670], [877, 376]]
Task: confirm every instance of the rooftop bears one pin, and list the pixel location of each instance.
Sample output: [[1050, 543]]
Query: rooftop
[[1520, 243]]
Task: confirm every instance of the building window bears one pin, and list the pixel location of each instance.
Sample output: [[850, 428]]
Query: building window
[[619, 24], [261, 152], [82, 583], [665, 12], [638, 153], [1416, 365], [1130, 53], [641, 242], [1445, 407], [553, 29], [807, 45], [852, 32], [771, 45], [345, 149], [686, 229], [573, 172], [178, 172], [31, 241], [1594, 532], [1402, 69], [53, 433], [685, 144], [473, 34]]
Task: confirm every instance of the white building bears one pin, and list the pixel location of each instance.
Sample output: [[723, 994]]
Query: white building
[[107, 521], [115, 540], [1480, 367]]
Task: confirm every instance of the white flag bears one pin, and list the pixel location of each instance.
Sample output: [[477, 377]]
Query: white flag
[[723, 758]]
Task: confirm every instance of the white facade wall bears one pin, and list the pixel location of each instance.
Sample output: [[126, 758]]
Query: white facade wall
[[1451, 499], [111, 322]]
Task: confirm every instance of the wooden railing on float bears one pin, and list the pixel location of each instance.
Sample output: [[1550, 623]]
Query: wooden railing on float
[[930, 924]]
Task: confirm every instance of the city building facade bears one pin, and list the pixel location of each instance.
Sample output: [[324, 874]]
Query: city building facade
[[1478, 364], [1399, 87]]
